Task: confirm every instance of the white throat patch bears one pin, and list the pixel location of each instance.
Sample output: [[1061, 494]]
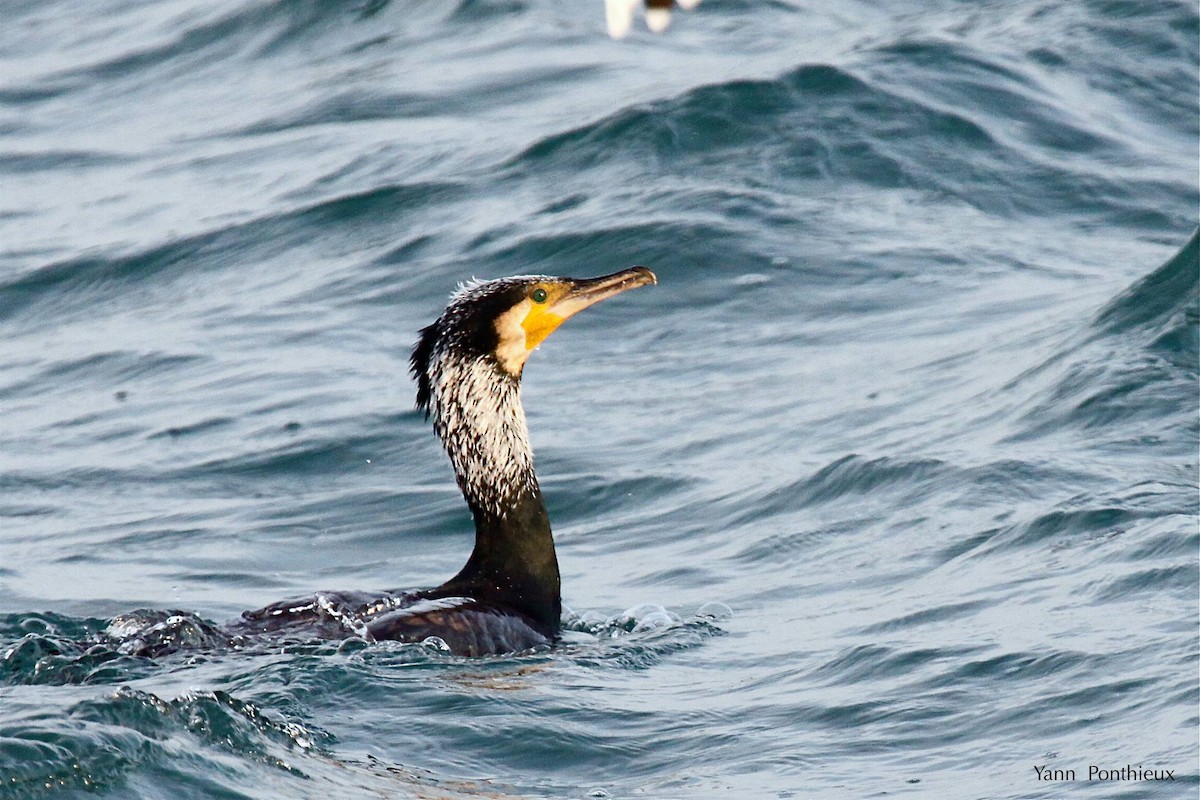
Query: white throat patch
[[512, 351]]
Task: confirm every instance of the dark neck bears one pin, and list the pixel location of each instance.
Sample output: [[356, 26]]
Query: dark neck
[[477, 413], [513, 563]]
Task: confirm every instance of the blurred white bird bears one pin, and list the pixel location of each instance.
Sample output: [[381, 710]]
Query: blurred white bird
[[619, 14]]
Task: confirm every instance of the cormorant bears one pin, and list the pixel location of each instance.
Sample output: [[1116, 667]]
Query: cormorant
[[468, 366]]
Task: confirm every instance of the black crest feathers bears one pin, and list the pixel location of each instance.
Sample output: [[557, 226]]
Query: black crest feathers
[[418, 365]]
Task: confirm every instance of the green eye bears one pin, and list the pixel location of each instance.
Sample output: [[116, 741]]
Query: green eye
[[538, 296]]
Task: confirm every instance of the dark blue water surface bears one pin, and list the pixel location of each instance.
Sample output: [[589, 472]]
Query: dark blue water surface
[[889, 487]]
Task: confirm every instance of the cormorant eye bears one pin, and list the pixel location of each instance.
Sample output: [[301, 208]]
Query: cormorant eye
[[538, 296]]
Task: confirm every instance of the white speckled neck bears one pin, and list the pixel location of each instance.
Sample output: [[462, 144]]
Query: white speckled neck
[[477, 412]]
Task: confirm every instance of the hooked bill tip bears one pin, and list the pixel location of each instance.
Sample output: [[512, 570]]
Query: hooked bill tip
[[645, 274]]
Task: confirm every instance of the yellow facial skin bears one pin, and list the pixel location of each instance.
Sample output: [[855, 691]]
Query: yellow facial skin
[[549, 304], [542, 318]]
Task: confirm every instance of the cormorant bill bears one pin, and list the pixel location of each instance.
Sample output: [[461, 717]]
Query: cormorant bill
[[468, 367]]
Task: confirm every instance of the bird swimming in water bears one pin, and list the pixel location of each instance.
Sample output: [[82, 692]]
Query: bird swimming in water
[[468, 367]]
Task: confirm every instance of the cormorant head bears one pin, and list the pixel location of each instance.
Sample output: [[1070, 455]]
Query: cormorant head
[[502, 321]]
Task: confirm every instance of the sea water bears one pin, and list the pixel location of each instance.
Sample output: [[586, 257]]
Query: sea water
[[889, 487]]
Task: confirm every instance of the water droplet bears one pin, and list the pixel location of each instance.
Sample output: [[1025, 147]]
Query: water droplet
[[653, 621], [716, 611]]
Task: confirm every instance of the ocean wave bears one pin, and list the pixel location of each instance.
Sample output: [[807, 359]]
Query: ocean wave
[[131, 730], [66, 289], [1135, 366], [809, 120], [911, 398]]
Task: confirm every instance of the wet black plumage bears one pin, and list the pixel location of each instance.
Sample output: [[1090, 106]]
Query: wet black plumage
[[468, 366]]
